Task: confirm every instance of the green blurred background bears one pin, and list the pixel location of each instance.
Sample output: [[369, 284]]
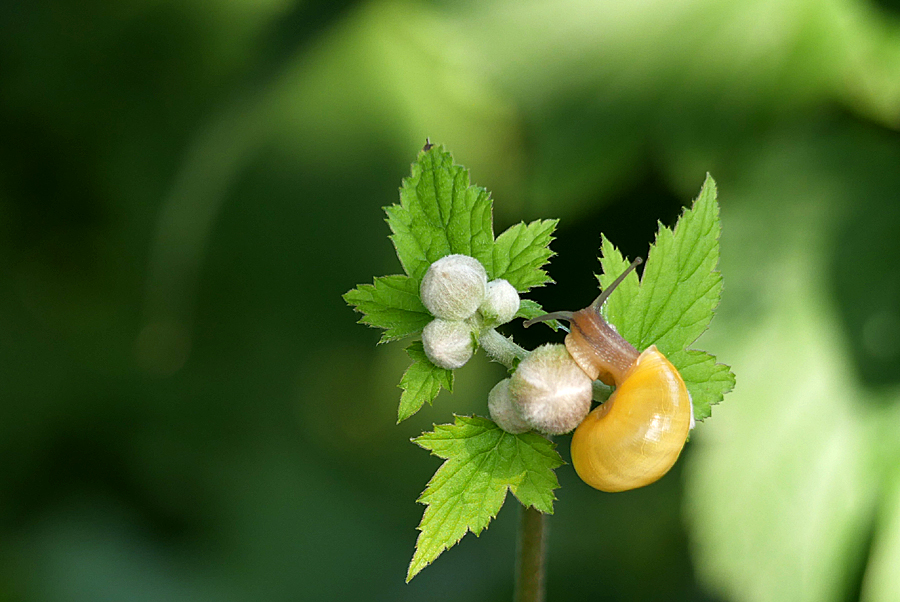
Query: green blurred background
[[188, 410]]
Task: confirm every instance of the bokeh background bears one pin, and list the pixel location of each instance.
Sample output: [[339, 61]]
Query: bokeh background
[[188, 410]]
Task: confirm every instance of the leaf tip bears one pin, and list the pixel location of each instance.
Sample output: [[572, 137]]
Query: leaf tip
[[412, 571], [415, 566], [708, 191]]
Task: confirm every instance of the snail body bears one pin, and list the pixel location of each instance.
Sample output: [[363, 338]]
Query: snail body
[[636, 436]]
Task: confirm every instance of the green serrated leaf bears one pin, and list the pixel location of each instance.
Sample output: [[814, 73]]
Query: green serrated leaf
[[613, 263], [675, 299], [440, 214], [521, 251], [706, 381], [421, 382], [467, 491], [680, 286], [391, 303]]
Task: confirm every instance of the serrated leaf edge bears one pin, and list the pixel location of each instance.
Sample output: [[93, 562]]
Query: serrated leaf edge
[[510, 487]]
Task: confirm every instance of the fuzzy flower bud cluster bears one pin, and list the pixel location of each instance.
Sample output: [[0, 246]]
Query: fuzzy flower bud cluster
[[455, 289], [548, 393]]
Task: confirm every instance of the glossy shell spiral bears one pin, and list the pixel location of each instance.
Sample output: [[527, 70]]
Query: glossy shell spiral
[[635, 437]]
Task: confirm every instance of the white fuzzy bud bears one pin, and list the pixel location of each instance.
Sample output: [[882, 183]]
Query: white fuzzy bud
[[453, 287], [553, 394], [504, 410], [448, 344], [500, 304]]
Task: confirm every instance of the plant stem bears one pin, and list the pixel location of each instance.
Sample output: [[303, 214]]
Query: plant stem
[[500, 348], [531, 556], [532, 545]]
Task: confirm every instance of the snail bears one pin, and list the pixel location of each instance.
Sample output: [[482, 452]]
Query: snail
[[635, 437]]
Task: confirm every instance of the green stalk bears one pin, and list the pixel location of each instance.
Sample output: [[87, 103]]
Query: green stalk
[[499, 348], [531, 557]]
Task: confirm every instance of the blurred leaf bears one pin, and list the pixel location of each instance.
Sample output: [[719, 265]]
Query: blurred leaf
[[676, 298], [468, 490], [882, 578], [870, 306], [391, 303], [421, 382], [782, 488], [782, 492]]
